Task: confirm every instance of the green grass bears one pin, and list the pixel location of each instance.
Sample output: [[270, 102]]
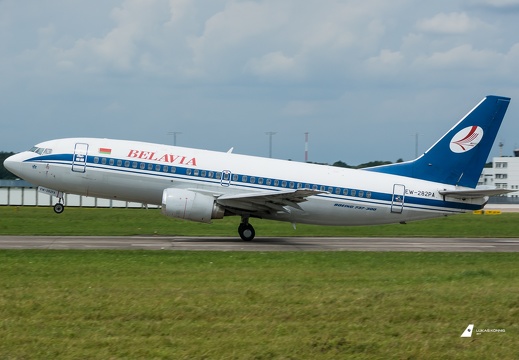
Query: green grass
[[225, 305], [124, 222], [228, 305]]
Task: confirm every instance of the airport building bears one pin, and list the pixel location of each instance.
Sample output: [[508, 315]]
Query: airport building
[[504, 174]]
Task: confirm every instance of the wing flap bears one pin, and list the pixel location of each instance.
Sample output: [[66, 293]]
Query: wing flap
[[268, 201]]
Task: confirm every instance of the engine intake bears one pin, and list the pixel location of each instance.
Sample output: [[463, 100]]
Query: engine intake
[[190, 205]]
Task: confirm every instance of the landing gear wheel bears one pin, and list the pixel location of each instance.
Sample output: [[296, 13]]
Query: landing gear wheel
[[58, 208], [246, 231]]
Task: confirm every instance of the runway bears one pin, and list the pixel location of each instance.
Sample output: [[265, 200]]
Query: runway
[[261, 244]]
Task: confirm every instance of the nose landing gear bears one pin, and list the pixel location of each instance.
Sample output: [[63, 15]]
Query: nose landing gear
[[59, 207]]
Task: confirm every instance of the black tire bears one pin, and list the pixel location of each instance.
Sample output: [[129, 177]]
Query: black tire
[[246, 232], [58, 208]]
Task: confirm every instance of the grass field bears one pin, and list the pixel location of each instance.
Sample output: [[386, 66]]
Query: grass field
[[94, 304], [207, 305], [85, 221]]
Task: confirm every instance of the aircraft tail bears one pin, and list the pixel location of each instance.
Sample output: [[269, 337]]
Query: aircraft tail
[[459, 156]]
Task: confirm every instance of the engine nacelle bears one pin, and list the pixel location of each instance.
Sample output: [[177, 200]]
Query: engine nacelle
[[190, 205]]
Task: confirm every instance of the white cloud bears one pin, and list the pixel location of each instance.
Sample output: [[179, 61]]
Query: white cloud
[[274, 64], [386, 57], [463, 57], [452, 23]]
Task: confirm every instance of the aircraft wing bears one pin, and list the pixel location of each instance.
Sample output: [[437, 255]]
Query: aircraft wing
[[267, 201], [474, 193]]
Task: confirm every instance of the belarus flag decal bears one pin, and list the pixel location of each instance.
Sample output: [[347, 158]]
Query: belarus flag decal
[[106, 151]]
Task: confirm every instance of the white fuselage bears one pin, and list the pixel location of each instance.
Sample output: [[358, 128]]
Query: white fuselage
[[140, 172]]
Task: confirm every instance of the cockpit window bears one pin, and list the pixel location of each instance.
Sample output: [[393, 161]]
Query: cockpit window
[[41, 151]]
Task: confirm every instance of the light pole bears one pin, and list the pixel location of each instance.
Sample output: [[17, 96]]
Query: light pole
[[270, 133], [306, 147], [174, 133]]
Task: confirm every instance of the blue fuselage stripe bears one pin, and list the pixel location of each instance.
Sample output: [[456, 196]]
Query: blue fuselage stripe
[[214, 177]]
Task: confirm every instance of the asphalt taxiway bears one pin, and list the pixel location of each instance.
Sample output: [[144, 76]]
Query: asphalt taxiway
[[261, 243]]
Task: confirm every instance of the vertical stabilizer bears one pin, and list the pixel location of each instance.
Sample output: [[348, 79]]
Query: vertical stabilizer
[[459, 156]]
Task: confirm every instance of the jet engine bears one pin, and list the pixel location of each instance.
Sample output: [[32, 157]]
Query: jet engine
[[190, 205]]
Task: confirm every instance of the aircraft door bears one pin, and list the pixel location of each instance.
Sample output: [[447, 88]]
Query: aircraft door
[[397, 200], [79, 159]]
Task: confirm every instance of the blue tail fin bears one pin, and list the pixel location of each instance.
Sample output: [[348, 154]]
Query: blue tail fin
[[459, 156]]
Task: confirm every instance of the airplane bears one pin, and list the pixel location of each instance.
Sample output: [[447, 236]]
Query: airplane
[[202, 185]]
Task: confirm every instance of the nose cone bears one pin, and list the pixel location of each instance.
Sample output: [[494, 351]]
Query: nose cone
[[13, 163]]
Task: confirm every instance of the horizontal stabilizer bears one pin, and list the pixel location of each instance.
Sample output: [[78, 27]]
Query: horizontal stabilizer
[[474, 193]]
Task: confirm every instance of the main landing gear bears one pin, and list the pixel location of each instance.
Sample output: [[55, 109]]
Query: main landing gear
[[246, 230]]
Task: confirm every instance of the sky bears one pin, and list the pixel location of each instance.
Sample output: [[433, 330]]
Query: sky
[[367, 80]]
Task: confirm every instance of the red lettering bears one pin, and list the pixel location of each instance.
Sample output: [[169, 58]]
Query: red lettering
[[145, 155], [191, 162], [164, 158], [134, 153], [169, 158]]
